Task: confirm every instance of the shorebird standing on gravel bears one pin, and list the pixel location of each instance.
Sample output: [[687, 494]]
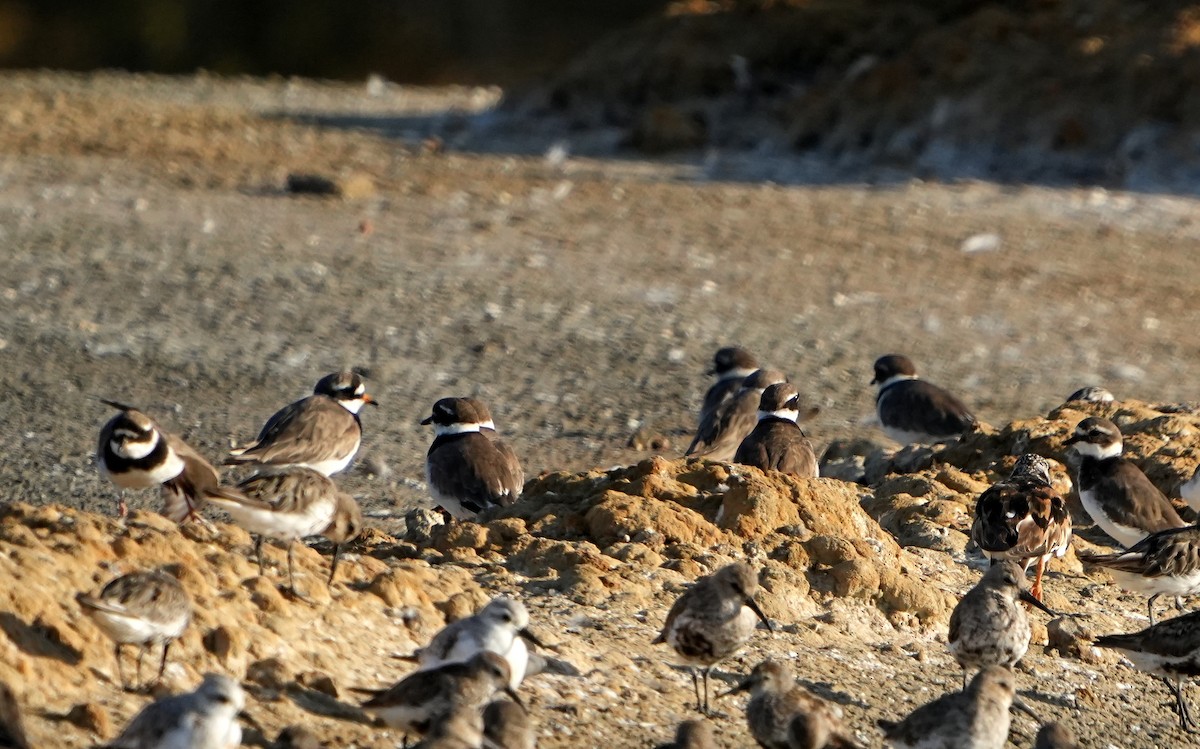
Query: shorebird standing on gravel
[[717, 438], [467, 471], [203, 719], [913, 410], [321, 432], [425, 698], [1116, 494], [143, 609], [712, 620], [777, 443], [289, 503], [975, 718], [1169, 649], [136, 453], [731, 365], [781, 714], [988, 626], [501, 627], [1023, 518], [1163, 563]]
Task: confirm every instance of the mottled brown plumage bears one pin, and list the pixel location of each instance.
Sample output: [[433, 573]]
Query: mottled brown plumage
[[1023, 518], [711, 621], [782, 714], [143, 609], [1163, 563]]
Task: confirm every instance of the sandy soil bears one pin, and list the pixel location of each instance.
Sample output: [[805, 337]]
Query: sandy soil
[[152, 256]]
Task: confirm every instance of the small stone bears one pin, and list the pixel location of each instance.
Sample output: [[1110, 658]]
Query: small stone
[[90, 717], [319, 682], [981, 243], [297, 737], [271, 673]]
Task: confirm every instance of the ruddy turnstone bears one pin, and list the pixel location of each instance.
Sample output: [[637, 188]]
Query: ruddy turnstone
[[913, 410], [1169, 649], [711, 621], [781, 714], [1163, 563], [136, 453], [1116, 494], [426, 697], [203, 719], [1023, 518], [988, 626], [321, 432], [143, 609], [289, 503], [718, 437], [975, 718], [731, 365], [507, 725], [777, 443], [500, 627], [467, 473]]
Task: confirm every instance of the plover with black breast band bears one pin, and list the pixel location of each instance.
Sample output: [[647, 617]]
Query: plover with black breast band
[[322, 432], [465, 470], [912, 410], [777, 443], [134, 452], [1116, 494]]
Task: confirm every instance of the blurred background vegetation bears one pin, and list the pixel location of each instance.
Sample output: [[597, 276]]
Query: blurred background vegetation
[[409, 41]]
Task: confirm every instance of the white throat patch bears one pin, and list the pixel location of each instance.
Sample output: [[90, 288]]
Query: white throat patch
[[353, 406], [1099, 452], [441, 429], [790, 414], [894, 379], [135, 450]]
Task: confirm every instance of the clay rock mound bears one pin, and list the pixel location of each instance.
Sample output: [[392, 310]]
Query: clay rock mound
[[1164, 440], [243, 624], [622, 533]]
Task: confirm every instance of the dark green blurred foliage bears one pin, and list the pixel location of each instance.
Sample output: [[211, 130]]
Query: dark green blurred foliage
[[428, 41]]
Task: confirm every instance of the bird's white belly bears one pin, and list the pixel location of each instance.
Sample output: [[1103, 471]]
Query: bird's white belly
[[1122, 534], [1183, 585]]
